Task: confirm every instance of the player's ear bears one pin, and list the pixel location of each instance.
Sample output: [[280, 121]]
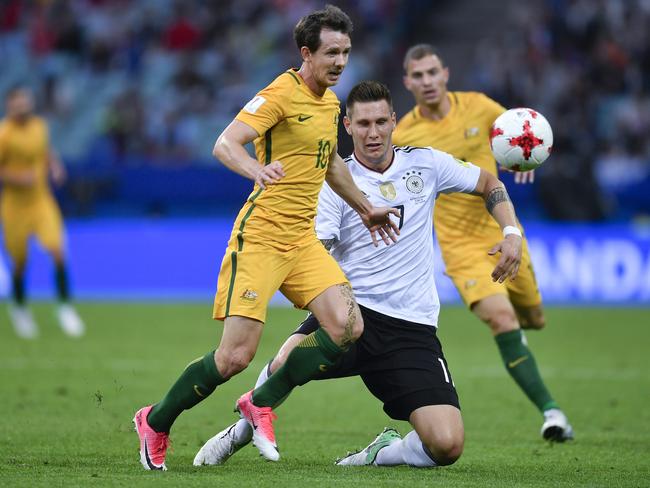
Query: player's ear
[[346, 124], [445, 73], [305, 53], [405, 80], [393, 119]]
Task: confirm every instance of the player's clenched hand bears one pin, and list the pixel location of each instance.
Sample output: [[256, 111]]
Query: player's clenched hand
[[269, 174], [508, 265], [59, 174], [379, 222], [523, 177]]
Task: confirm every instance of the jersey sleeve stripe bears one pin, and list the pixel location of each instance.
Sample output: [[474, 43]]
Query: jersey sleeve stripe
[[295, 78]]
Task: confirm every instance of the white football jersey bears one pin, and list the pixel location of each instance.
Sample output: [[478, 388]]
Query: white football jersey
[[395, 280]]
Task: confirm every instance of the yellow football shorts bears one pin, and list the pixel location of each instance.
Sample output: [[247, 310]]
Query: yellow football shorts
[[249, 277], [41, 219], [470, 268]]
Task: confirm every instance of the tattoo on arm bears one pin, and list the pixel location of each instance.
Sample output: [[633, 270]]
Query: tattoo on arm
[[496, 196], [328, 243], [352, 310]]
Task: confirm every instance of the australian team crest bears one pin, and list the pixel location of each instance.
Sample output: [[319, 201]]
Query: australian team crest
[[388, 190]]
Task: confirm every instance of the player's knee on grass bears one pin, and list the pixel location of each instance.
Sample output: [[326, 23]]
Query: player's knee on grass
[[531, 318], [444, 447], [440, 428], [233, 361]]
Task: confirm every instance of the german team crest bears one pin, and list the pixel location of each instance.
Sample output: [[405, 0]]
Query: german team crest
[[414, 181], [388, 190]]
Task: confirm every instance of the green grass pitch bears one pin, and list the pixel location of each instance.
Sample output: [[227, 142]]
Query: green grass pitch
[[66, 406]]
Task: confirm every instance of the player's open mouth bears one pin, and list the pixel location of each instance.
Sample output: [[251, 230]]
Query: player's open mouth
[[374, 146]]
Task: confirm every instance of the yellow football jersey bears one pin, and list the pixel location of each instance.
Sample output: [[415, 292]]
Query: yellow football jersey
[[464, 133], [299, 129], [25, 147]]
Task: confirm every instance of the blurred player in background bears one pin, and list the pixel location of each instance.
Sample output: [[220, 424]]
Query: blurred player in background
[[294, 123], [459, 123], [398, 356], [28, 208]]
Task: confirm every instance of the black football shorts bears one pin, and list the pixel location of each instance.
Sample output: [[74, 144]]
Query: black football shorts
[[400, 362]]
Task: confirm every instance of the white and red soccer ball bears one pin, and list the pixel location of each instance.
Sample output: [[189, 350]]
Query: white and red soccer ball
[[521, 139]]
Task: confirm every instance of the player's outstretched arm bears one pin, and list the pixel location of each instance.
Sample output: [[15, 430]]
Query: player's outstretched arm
[[376, 219], [500, 207], [230, 150]]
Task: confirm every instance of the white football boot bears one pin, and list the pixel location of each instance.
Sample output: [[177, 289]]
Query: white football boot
[[218, 449], [367, 456], [23, 322], [70, 321], [556, 426]]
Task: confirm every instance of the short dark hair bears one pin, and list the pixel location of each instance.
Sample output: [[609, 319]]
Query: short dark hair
[[15, 89], [368, 91], [418, 52], [307, 30]]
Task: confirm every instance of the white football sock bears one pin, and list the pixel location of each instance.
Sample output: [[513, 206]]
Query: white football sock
[[243, 432], [264, 375], [407, 451]]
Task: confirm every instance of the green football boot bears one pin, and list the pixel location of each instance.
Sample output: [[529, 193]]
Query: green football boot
[[368, 455]]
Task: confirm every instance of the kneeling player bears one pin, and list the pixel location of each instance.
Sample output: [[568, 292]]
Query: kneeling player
[[398, 356]]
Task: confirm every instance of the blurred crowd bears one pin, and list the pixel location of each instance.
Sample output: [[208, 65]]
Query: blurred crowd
[[158, 79], [586, 65], [131, 83]]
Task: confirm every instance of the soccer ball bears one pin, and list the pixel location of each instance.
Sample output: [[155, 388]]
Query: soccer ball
[[521, 139]]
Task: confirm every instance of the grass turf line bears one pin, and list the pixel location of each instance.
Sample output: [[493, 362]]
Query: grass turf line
[[66, 405]]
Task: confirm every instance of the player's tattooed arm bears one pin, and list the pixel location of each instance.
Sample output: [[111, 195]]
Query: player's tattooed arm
[[328, 243], [495, 196], [353, 311]]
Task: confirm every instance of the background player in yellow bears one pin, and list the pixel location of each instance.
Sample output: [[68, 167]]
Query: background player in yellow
[[28, 209], [459, 123], [273, 245]]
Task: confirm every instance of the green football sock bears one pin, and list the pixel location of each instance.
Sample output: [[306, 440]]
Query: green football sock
[[315, 353], [61, 280], [198, 381], [18, 288], [520, 363]]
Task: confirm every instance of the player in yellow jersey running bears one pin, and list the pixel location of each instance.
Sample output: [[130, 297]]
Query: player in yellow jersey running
[[459, 123], [273, 245], [28, 209]]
